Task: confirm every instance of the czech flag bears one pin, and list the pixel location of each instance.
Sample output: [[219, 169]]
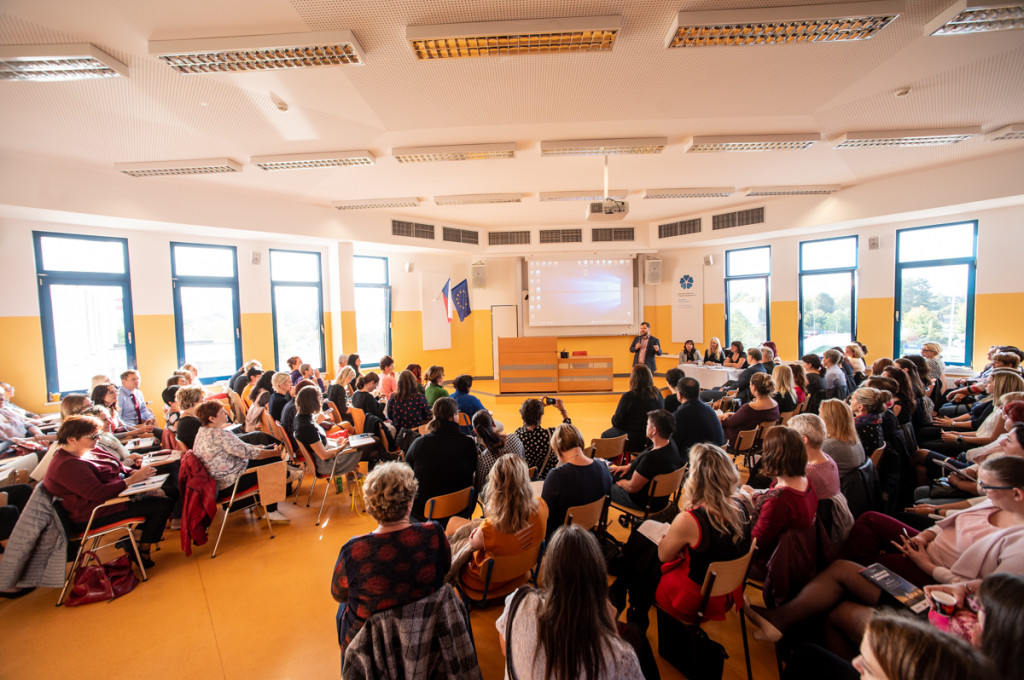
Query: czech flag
[[446, 294]]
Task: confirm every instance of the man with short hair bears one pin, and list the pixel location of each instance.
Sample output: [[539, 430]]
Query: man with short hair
[[633, 481], [132, 405], [835, 379], [673, 376], [645, 347], [468, 404], [767, 359], [696, 421], [742, 384]]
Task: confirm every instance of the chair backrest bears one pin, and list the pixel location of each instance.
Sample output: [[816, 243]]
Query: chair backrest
[[423, 429], [335, 414], [587, 516], [306, 455], [509, 567], [745, 441], [876, 455], [273, 482], [667, 484], [665, 391], [283, 437], [440, 507], [802, 406], [464, 420], [763, 427], [909, 437], [266, 423], [358, 418], [238, 409], [724, 577], [784, 417], [607, 448]]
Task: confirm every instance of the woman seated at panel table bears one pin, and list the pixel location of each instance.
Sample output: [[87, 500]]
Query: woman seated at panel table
[[735, 357], [85, 476], [227, 458], [397, 563], [714, 354]]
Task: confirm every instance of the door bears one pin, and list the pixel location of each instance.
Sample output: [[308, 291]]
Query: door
[[504, 324]]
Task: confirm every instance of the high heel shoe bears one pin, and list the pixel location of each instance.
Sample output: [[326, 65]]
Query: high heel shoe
[[766, 632]]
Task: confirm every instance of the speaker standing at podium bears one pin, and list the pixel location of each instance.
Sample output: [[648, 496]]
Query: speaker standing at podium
[[645, 347]]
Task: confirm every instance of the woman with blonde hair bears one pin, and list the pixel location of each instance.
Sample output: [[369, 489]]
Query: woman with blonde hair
[[340, 390], [514, 521], [713, 354], [855, 355], [785, 394], [949, 444], [577, 480], [398, 562], [842, 443]]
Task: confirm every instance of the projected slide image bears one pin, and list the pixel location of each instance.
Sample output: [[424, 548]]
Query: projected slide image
[[586, 292]]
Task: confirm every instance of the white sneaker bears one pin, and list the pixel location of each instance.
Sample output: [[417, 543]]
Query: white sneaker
[[276, 517]]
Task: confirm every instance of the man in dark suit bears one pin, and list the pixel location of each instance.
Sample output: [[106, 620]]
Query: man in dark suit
[[742, 384], [696, 422], [645, 347]]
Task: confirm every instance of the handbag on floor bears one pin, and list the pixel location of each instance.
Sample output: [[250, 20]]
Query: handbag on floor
[[101, 581]]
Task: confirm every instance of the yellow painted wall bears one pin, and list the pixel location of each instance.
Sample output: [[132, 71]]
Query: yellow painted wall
[[258, 338], [785, 328], [482, 350], [714, 324], [875, 326], [407, 345], [349, 344], [997, 321], [21, 360]]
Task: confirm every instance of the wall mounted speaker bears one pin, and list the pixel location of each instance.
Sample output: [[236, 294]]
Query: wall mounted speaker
[[256, 257], [874, 243], [409, 267], [478, 275], [709, 260], [652, 272]]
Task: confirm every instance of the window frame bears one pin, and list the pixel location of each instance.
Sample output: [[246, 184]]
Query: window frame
[[205, 282], [386, 286], [742, 277], [972, 279], [319, 284], [46, 278], [853, 271]]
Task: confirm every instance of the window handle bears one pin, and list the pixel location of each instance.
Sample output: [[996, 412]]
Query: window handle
[[129, 337], [238, 332]]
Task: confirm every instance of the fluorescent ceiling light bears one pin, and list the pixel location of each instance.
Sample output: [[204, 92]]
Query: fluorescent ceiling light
[[299, 161], [464, 152], [472, 199], [603, 147], [906, 138], [504, 38], [1006, 134], [259, 52], [368, 203], [783, 25], [808, 190], [693, 192], [964, 17], [715, 143], [80, 61], [204, 166], [593, 195]]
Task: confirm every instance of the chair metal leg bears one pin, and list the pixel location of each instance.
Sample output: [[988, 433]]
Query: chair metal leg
[[71, 574], [138, 555], [311, 487], [327, 487], [227, 512], [298, 487], [746, 644], [266, 516]]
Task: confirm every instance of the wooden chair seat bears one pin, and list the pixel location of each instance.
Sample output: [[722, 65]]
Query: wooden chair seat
[[612, 447]]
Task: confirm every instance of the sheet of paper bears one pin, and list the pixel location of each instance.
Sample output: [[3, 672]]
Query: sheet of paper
[[653, 530]]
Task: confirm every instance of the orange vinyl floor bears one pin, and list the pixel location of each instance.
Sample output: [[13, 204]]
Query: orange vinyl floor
[[262, 609]]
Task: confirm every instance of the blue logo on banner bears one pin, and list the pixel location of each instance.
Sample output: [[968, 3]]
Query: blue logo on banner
[[686, 282]]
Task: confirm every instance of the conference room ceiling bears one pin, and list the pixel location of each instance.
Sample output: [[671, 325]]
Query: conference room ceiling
[[637, 89]]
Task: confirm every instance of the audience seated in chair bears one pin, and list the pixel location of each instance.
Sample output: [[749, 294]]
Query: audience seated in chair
[[492, 445], [630, 417], [577, 480], [444, 460], [633, 481], [536, 440]]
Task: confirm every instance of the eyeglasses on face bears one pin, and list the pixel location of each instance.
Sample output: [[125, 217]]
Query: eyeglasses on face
[[987, 487]]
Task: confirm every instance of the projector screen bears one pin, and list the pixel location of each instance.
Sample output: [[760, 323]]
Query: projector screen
[[584, 292]]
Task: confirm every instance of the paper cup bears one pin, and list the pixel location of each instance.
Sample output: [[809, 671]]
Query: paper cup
[[944, 602]]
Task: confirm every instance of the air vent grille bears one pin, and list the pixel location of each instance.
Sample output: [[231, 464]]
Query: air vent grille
[[508, 238], [612, 234], [679, 228], [561, 235], [412, 229], [460, 235], [740, 218]]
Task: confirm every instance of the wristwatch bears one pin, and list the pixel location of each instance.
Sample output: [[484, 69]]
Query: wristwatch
[[959, 439]]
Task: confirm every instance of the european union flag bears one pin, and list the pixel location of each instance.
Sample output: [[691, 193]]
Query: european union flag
[[460, 296]]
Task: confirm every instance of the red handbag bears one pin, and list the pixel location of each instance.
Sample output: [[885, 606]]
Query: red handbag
[[101, 581]]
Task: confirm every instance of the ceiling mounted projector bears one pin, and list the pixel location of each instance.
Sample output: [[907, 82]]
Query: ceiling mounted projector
[[607, 210]]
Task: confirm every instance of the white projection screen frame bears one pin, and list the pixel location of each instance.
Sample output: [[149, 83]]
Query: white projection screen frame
[[589, 295]]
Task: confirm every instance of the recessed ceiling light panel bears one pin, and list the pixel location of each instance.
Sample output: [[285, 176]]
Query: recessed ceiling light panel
[[300, 161], [603, 147], [58, 62], [472, 199], [594, 195], [259, 52], [1007, 133], [507, 38], [783, 25], [964, 17], [693, 192], [463, 152], [905, 138], [205, 166], [370, 203], [719, 143], [808, 190]]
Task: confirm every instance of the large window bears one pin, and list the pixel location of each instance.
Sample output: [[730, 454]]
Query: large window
[[373, 308], [746, 295], [206, 314], [935, 269], [297, 302], [85, 308], [828, 280]]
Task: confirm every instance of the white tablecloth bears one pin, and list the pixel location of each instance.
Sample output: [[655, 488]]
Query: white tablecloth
[[708, 376]]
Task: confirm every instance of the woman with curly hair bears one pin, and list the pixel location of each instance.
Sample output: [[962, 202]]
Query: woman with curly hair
[[396, 563]]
